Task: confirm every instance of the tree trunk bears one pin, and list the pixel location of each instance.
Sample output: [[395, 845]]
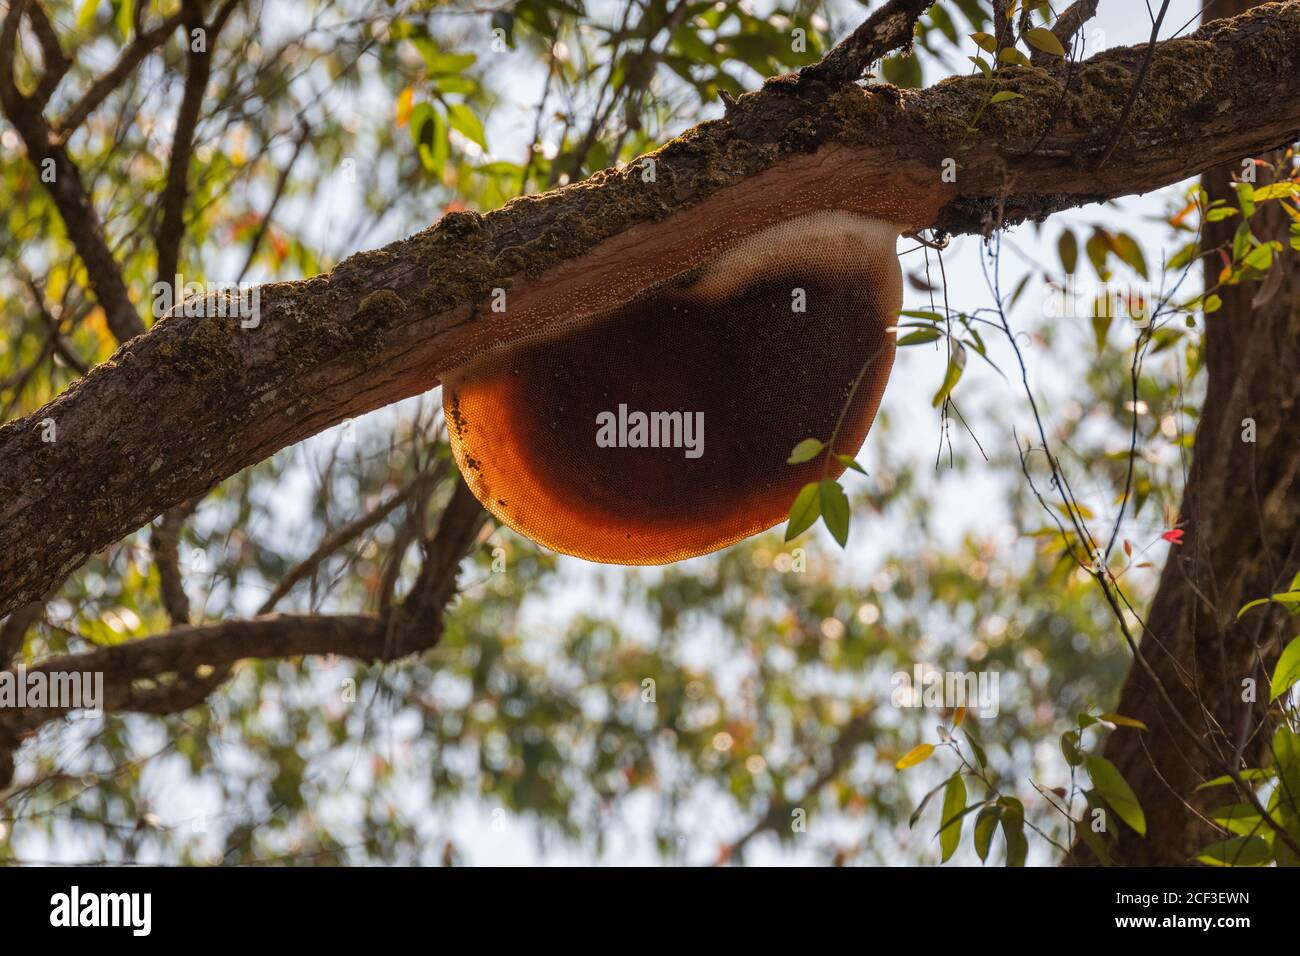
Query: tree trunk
[[1242, 541]]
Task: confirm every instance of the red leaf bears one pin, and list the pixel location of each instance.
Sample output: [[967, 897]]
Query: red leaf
[[1174, 536]]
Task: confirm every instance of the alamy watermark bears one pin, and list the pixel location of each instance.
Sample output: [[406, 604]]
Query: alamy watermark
[[133, 911], [1100, 300], [61, 690], [977, 691], [651, 430], [209, 300]]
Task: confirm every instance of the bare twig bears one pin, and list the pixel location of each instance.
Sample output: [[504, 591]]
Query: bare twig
[[53, 62], [344, 535], [1137, 85], [171, 228], [165, 542], [57, 343], [139, 48], [888, 29], [63, 182], [281, 182], [177, 669], [1069, 23]]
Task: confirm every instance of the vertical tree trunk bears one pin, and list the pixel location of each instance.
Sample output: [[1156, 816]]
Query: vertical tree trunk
[[1241, 517]]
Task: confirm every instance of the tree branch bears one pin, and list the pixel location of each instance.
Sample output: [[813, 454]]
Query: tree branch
[[176, 670], [195, 650], [888, 29], [171, 228], [1137, 85], [139, 48], [1069, 23], [353, 529], [63, 182], [53, 63], [165, 541], [384, 325], [13, 632]]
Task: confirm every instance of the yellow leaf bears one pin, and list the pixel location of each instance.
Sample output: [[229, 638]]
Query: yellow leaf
[[1041, 38], [97, 322], [405, 103], [1119, 720], [918, 754]]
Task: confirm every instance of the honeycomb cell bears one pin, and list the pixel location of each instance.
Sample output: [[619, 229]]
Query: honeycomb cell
[[730, 370]]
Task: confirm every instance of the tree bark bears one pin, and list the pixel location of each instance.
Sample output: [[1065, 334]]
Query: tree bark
[[170, 672], [1242, 541], [198, 398]]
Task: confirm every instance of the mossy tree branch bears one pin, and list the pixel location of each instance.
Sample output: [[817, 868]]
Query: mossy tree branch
[[223, 394]]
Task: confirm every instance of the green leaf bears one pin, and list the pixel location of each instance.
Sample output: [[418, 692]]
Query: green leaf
[[1182, 257], [1286, 755], [1254, 774], [1238, 851], [1259, 258], [125, 16], [848, 462], [1110, 783], [437, 63], [954, 802], [1067, 247], [1041, 38], [1241, 241], [976, 747], [1100, 328], [983, 65], [806, 450], [1013, 828], [956, 363], [919, 337], [1004, 95], [928, 316], [985, 826], [86, 16], [1239, 818], [1120, 720], [1127, 248], [1098, 249], [1246, 198], [835, 510], [463, 121], [1287, 671], [1070, 748], [904, 71], [944, 23], [920, 807], [918, 754], [1250, 604], [1276, 191], [1095, 843], [804, 512], [985, 41]]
